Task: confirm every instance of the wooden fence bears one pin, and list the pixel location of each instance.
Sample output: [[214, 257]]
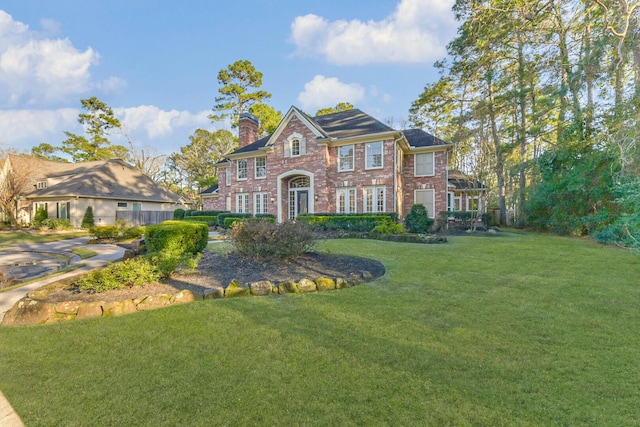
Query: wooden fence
[[133, 218]]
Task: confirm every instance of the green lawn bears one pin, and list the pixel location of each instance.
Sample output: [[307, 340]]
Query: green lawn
[[508, 330], [37, 237]]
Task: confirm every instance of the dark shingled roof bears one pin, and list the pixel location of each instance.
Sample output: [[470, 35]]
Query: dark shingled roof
[[462, 181], [350, 123], [420, 138], [253, 146], [211, 190]]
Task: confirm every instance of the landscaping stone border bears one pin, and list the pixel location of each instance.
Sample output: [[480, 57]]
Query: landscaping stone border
[[35, 310]]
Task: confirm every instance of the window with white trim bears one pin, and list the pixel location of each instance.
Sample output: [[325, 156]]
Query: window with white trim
[[41, 185], [295, 146], [473, 202], [346, 200], [242, 169], [345, 158], [260, 167], [242, 203], [228, 203], [373, 155], [427, 199], [260, 203], [374, 199], [227, 177], [424, 164]]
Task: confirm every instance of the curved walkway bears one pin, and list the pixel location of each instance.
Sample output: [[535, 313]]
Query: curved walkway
[[106, 254]]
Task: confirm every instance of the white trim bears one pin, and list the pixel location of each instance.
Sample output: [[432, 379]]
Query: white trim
[[353, 157], [238, 169], [415, 164], [287, 174], [366, 155], [433, 200], [255, 167]]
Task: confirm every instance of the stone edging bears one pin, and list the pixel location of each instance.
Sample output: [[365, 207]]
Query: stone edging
[[34, 310]]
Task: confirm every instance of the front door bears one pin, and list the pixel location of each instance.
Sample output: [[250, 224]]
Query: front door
[[298, 202]]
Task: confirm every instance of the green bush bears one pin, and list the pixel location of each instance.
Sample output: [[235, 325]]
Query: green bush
[[87, 219], [133, 232], [168, 262], [418, 221], [41, 215], [209, 220], [56, 224], [268, 240], [105, 231], [230, 220], [388, 227], [223, 216], [193, 212], [120, 275], [178, 213], [178, 237], [346, 222]]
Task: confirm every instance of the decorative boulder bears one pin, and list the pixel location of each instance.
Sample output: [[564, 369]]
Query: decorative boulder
[[213, 293], [236, 289], [325, 284], [154, 301], [29, 312], [288, 288], [342, 283], [89, 310], [182, 297], [263, 287], [118, 308], [307, 285]]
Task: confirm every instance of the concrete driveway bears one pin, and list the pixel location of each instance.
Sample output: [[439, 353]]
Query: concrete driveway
[[106, 254]]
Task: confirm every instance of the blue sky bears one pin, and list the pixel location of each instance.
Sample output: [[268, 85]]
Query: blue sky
[[156, 62]]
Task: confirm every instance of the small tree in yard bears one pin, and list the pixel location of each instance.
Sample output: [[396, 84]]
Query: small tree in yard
[[418, 221], [268, 240], [41, 215], [87, 219]]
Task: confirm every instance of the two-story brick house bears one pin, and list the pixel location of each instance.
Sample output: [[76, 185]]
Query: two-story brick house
[[346, 162]]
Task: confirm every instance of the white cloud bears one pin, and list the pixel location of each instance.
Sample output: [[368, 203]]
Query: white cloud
[[24, 128], [416, 32], [36, 70], [157, 123], [323, 92]]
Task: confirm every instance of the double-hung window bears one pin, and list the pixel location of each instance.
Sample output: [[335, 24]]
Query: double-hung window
[[261, 167], [242, 203], [345, 158], [373, 155], [242, 169], [346, 200], [426, 198], [424, 164], [374, 199], [260, 203]]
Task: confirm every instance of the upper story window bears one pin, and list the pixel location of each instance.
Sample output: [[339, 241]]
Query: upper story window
[[345, 158], [424, 164], [227, 177], [373, 155], [242, 169], [261, 167], [295, 146], [41, 184]]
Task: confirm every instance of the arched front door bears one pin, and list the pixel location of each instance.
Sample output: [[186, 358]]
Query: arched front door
[[298, 196]]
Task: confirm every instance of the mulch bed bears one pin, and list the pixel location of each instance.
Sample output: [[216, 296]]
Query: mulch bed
[[215, 270]]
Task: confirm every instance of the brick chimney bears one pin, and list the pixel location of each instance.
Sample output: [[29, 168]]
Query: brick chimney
[[247, 129]]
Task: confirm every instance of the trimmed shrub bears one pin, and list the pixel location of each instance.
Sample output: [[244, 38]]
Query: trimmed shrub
[[388, 227], [105, 231], [41, 215], [209, 220], [87, 219], [178, 213], [223, 216], [346, 222], [133, 232], [266, 239], [230, 220], [193, 212], [56, 224], [120, 275], [418, 221], [179, 237]]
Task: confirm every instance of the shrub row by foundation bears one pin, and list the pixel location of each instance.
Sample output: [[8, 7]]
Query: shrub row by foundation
[[115, 232], [180, 237], [346, 222], [193, 212], [266, 239], [209, 220]]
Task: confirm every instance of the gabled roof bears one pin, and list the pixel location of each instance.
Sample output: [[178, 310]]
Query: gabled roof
[[419, 138], [112, 179], [210, 191], [350, 123], [462, 181]]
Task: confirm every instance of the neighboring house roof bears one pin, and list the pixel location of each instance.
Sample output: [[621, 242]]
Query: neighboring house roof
[[210, 191], [112, 179], [462, 181]]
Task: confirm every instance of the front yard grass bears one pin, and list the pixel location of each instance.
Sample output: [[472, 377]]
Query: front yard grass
[[510, 330]]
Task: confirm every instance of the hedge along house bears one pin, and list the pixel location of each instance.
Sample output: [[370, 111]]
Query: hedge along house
[[346, 162], [65, 190]]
